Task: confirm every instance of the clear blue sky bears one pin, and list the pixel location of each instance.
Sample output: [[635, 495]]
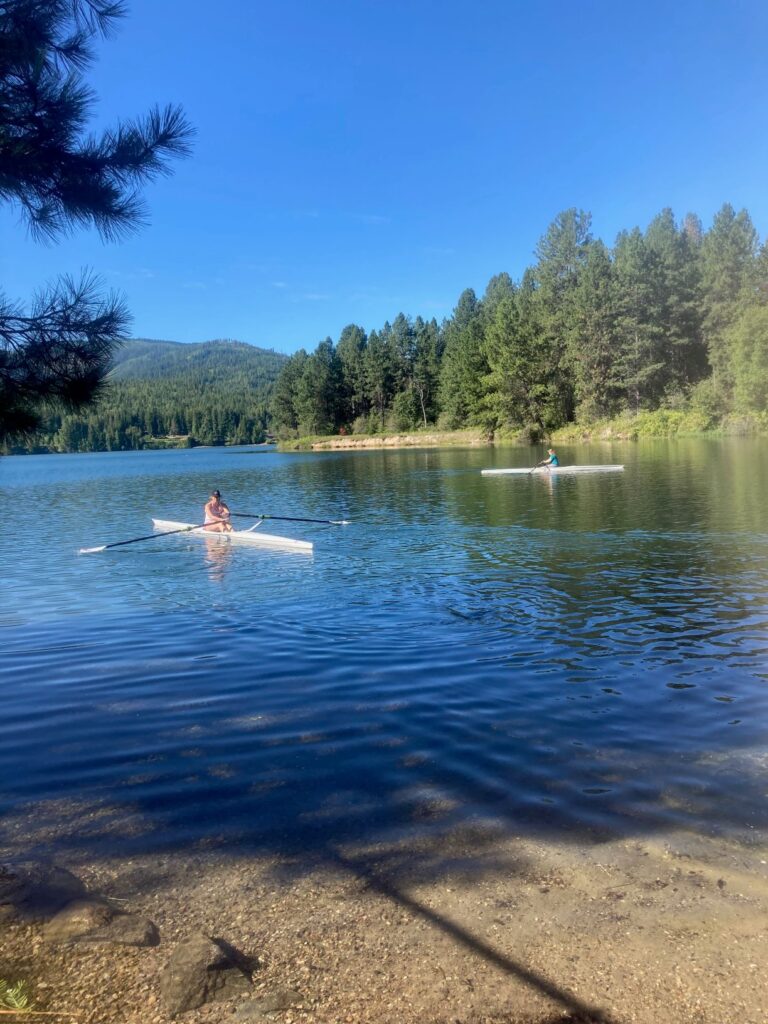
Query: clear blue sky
[[359, 158]]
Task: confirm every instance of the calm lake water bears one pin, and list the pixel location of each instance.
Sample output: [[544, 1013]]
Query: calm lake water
[[580, 656]]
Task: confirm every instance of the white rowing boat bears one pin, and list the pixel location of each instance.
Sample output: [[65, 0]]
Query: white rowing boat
[[554, 469], [250, 536]]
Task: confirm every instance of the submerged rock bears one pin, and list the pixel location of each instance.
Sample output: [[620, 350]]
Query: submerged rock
[[126, 930], [202, 969], [77, 919], [36, 892]]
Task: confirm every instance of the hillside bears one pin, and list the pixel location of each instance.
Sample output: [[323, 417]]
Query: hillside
[[165, 393], [217, 361]]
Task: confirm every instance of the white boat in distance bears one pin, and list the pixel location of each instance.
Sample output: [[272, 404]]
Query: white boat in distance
[[554, 469], [250, 536]]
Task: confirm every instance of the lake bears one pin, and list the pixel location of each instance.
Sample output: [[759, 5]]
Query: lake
[[579, 656]]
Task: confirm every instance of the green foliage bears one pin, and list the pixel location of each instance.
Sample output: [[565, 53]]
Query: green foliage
[[57, 353], [664, 333], [729, 266], [464, 365], [15, 996], [747, 342], [351, 354], [318, 391], [518, 388], [593, 339], [215, 393]]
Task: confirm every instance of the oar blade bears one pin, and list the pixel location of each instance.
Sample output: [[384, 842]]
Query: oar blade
[[91, 551]]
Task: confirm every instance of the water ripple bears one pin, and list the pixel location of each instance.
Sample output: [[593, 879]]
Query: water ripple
[[527, 652]]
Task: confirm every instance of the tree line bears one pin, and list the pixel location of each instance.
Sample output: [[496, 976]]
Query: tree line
[[184, 411], [161, 394], [670, 317]]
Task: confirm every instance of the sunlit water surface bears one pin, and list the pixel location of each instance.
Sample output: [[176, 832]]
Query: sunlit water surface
[[582, 656]]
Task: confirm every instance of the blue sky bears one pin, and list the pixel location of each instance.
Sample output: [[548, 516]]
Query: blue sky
[[359, 158]]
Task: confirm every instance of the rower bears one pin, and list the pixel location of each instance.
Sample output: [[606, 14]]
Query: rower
[[551, 461], [217, 514]]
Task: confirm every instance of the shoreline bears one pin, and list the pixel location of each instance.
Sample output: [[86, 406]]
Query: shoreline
[[434, 439], [643, 427], [467, 926]]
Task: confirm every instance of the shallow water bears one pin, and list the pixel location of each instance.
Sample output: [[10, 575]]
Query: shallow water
[[584, 656]]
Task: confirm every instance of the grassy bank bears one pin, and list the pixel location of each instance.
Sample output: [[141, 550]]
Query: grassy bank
[[663, 423], [628, 427]]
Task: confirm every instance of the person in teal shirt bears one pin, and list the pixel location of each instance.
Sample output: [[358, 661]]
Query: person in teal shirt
[[551, 461]]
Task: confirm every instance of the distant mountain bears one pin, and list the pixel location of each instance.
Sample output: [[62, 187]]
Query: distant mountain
[[210, 362], [165, 393]]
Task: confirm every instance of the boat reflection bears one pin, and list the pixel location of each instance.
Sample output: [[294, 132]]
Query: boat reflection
[[549, 479], [218, 554]]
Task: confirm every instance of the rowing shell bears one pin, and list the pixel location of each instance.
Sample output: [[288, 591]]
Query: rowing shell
[[554, 469], [263, 540]]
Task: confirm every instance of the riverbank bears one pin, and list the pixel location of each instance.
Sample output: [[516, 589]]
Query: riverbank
[[417, 439], [661, 423], [469, 927]]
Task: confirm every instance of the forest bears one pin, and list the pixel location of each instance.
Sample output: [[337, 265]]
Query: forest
[[163, 393], [670, 318]]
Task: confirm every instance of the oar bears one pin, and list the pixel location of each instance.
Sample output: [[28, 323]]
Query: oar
[[292, 519], [134, 540]]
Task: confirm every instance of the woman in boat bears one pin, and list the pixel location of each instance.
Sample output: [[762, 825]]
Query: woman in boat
[[217, 514]]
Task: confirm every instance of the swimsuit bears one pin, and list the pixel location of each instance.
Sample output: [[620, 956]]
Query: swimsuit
[[215, 515]]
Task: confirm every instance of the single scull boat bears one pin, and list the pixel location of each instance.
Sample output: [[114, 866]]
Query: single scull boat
[[554, 469], [250, 536]]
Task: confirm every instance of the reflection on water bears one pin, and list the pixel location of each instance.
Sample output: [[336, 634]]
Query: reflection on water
[[218, 555], [583, 654]]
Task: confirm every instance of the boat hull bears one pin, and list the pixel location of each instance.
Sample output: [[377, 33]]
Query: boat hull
[[251, 538], [559, 470]]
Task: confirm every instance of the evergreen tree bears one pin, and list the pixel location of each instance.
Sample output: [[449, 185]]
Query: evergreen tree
[[522, 387], [400, 341], [378, 376], [728, 267], [501, 286], [593, 349], [464, 365], [640, 362], [351, 354], [426, 368], [561, 255], [318, 390], [285, 413], [693, 231], [679, 300], [761, 274], [59, 179], [747, 341]]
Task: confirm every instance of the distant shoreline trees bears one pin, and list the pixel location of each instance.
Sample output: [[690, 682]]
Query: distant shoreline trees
[[164, 394], [670, 317]]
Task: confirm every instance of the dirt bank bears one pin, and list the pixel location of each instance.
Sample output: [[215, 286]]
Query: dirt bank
[[432, 440]]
